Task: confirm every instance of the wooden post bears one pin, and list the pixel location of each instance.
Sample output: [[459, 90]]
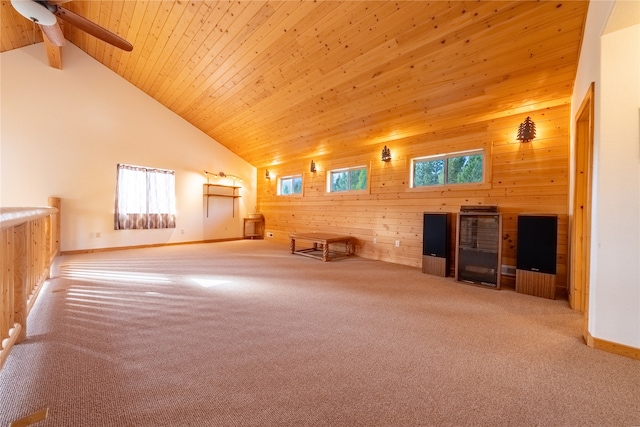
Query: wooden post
[[20, 277], [54, 230], [6, 284]]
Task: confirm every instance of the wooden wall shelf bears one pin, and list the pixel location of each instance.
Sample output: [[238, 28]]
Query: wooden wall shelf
[[220, 190]]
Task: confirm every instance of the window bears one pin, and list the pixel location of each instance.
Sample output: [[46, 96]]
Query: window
[[290, 185], [455, 168], [145, 198], [350, 179]]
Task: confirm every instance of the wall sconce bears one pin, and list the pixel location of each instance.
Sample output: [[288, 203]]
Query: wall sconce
[[266, 175], [526, 130], [312, 168], [386, 154]]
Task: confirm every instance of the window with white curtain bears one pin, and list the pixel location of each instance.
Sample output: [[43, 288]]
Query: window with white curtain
[[145, 198]]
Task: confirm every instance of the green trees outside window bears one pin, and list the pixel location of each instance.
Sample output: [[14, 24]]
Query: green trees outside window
[[290, 185], [349, 180], [452, 169]]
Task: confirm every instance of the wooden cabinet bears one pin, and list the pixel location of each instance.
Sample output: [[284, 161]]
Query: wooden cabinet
[[478, 248], [254, 227], [218, 190]]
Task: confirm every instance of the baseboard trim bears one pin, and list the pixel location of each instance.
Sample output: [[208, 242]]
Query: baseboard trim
[[612, 347], [154, 245]]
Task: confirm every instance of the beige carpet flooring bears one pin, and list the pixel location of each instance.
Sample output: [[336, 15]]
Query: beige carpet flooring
[[244, 334]]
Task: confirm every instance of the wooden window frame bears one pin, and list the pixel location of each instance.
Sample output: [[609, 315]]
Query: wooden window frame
[[486, 168], [366, 190], [291, 176]]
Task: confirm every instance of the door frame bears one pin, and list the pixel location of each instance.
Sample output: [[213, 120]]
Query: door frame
[[582, 208]]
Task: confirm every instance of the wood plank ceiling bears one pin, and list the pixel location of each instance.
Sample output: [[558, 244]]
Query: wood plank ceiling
[[281, 81]]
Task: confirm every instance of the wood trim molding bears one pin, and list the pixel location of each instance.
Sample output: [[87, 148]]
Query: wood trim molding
[[612, 347]]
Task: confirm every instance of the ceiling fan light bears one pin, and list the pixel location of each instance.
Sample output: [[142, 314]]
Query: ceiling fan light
[[34, 12]]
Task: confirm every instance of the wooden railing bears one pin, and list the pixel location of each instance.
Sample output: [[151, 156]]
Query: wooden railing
[[29, 242]]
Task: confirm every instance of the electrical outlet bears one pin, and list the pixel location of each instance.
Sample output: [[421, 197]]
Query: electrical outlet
[[182, 231], [97, 234], [397, 243], [269, 234], [375, 240]]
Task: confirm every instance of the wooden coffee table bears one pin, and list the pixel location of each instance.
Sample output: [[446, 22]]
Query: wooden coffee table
[[320, 245]]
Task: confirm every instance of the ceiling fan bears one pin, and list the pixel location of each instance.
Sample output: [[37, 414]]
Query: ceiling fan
[[44, 13]]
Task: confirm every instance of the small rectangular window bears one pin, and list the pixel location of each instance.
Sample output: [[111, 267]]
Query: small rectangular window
[[454, 168], [351, 179], [290, 185]]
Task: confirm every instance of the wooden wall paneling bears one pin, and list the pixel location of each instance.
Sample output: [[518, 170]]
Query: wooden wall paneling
[[391, 212]]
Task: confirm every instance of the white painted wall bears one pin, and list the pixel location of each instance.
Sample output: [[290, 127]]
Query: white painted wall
[[612, 61], [63, 132]]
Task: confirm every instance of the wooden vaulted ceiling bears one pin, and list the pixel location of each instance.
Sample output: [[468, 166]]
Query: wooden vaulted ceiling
[[284, 80]]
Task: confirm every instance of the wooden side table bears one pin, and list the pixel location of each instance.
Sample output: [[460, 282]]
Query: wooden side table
[[254, 227]]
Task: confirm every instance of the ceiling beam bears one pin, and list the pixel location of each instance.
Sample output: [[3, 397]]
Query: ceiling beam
[[54, 53]]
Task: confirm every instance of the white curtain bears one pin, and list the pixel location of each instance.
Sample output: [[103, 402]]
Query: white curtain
[[145, 198]]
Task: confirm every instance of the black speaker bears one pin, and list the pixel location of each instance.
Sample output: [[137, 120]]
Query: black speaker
[[435, 234], [537, 242], [436, 244]]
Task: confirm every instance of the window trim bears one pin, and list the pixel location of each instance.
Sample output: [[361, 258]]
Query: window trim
[[486, 178], [366, 190], [291, 176]]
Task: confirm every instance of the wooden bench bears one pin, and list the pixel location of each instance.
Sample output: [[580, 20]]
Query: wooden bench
[[321, 242]]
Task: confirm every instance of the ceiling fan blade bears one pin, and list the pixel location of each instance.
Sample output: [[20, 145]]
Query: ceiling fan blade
[[54, 34], [92, 28], [34, 11]]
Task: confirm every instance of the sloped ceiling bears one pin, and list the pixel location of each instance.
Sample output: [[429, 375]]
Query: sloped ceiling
[[280, 81]]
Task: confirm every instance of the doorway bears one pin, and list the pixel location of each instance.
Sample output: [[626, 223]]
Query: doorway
[[581, 226]]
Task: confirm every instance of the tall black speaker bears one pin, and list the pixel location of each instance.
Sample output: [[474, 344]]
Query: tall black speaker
[[536, 255], [436, 238]]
